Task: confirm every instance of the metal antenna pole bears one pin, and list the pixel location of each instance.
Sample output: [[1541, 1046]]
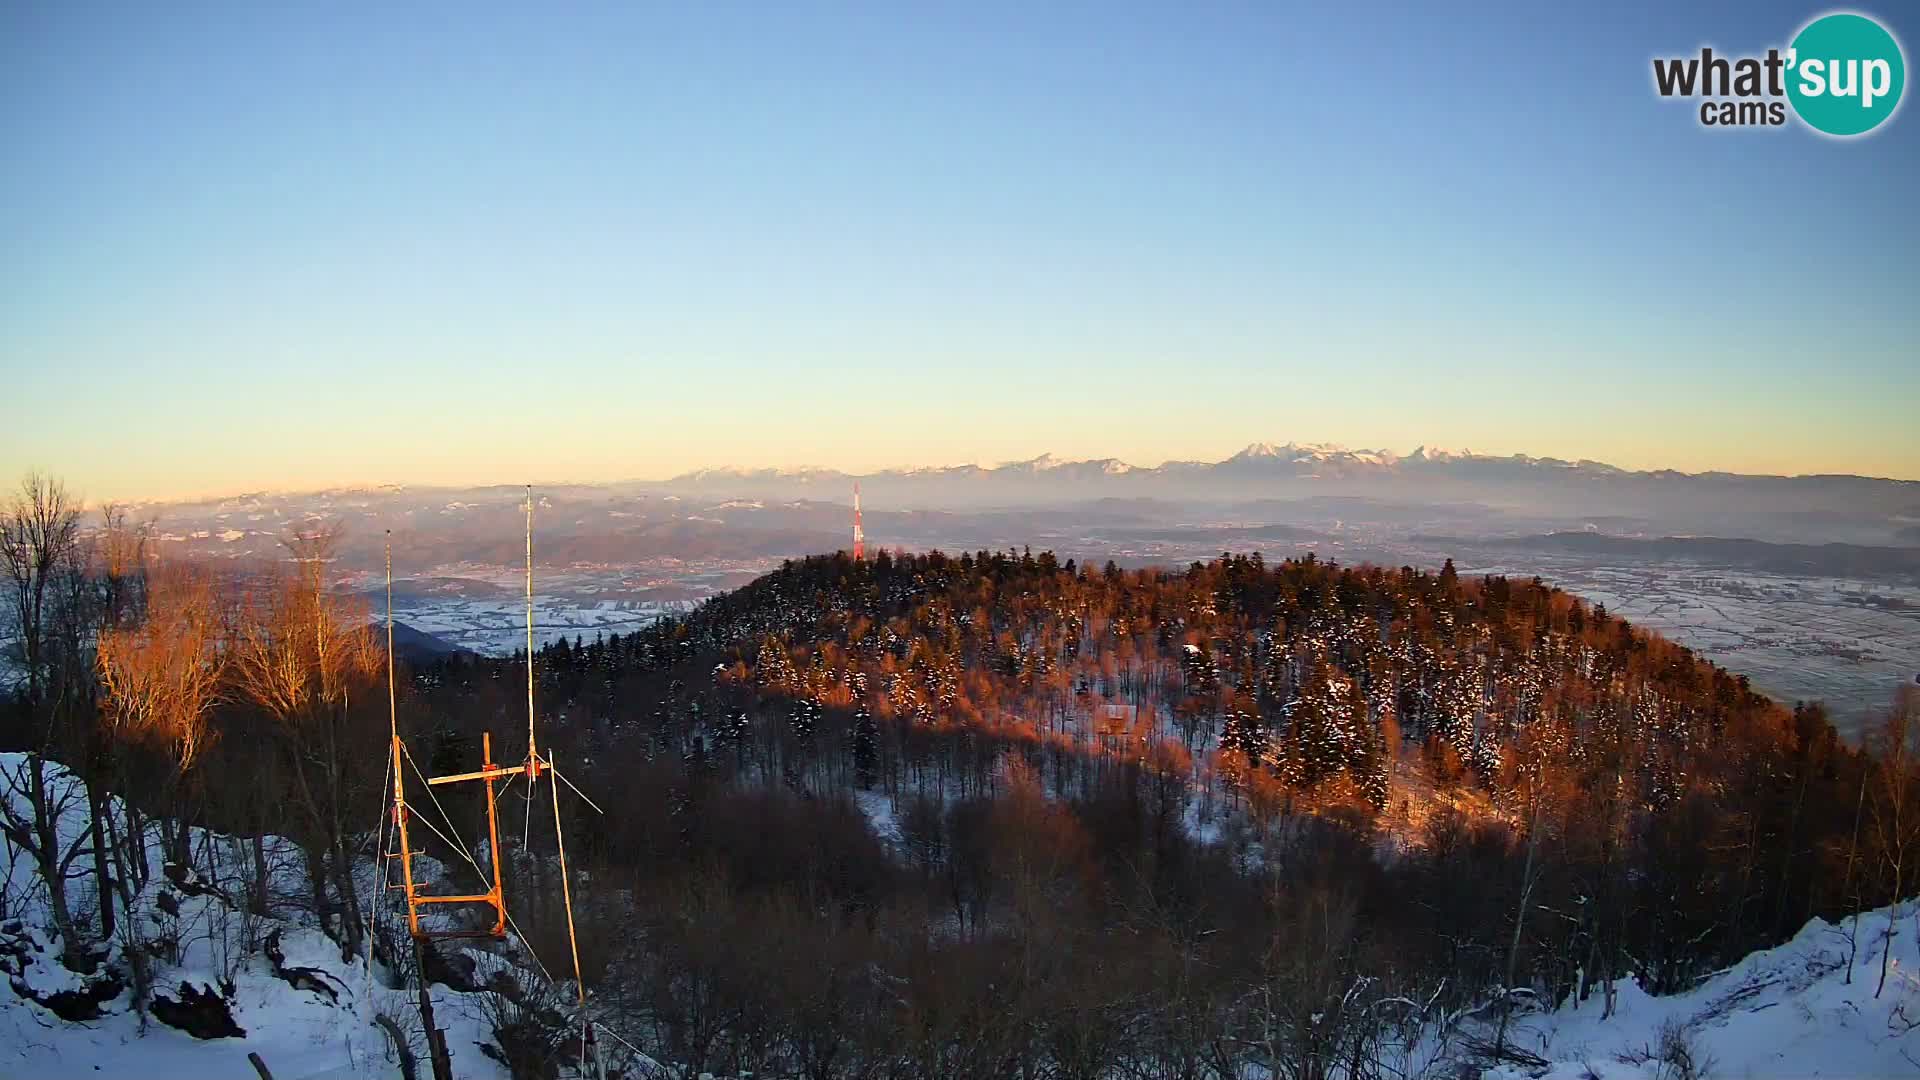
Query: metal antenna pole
[[393, 707], [533, 753], [495, 897], [573, 943], [399, 792]]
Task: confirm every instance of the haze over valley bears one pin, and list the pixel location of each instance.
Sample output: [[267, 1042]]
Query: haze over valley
[[1808, 585]]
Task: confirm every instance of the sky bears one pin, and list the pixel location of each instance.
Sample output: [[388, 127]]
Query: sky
[[250, 246]]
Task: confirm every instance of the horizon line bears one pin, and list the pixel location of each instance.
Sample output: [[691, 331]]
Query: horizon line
[[1054, 462]]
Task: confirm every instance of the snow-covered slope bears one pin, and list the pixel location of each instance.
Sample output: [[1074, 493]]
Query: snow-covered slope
[[1790, 1011], [272, 985], [278, 987], [299, 1033]]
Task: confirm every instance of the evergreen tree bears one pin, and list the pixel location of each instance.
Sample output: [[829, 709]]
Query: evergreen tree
[[1242, 731], [866, 745]]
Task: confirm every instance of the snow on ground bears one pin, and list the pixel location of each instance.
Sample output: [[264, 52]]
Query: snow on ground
[[298, 1033], [203, 943], [878, 808], [1783, 1012], [1790, 1011]]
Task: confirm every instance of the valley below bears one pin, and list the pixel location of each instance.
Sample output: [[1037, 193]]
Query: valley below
[[1840, 641], [1809, 587]]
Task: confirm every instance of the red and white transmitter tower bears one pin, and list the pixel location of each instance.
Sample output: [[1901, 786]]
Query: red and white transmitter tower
[[859, 537]]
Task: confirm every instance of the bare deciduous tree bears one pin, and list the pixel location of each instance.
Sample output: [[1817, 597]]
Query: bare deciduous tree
[[1896, 808], [298, 652], [163, 674], [39, 532]]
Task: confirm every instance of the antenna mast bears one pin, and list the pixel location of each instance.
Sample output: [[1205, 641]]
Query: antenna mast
[[495, 896], [399, 791], [533, 754], [859, 536]]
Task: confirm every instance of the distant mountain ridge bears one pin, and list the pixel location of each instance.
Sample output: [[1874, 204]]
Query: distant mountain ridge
[[756, 514], [1260, 460], [1299, 458], [1296, 469]]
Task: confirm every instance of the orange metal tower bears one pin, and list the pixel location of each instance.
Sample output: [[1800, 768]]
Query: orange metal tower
[[859, 537], [532, 767]]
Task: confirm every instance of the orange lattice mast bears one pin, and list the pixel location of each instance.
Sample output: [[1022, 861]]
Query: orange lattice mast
[[859, 537], [532, 767]]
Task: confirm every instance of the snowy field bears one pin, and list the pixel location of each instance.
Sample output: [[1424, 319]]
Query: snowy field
[[483, 608], [498, 626], [1829, 639]]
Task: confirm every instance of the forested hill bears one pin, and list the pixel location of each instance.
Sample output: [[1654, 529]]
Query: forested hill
[[1662, 817], [1301, 679]]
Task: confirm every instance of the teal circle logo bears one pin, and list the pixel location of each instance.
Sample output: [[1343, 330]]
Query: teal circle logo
[[1845, 73]]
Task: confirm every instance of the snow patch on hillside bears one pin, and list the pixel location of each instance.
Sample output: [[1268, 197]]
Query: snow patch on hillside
[[270, 984], [1789, 1011]]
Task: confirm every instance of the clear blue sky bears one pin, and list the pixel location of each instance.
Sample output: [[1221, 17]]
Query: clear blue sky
[[247, 245]]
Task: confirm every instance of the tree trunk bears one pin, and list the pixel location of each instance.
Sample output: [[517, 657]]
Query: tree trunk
[[135, 842], [441, 1061], [1787, 851], [96, 813], [1519, 921], [350, 928], [258, 901], [46, 855], [1853, 851], [182, 846], [1893, 917], [317, 881]]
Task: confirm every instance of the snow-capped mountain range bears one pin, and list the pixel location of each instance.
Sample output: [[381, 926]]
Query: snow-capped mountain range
[[1259, 471], [1267, 469], [1302, 459], [1311, 457]]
